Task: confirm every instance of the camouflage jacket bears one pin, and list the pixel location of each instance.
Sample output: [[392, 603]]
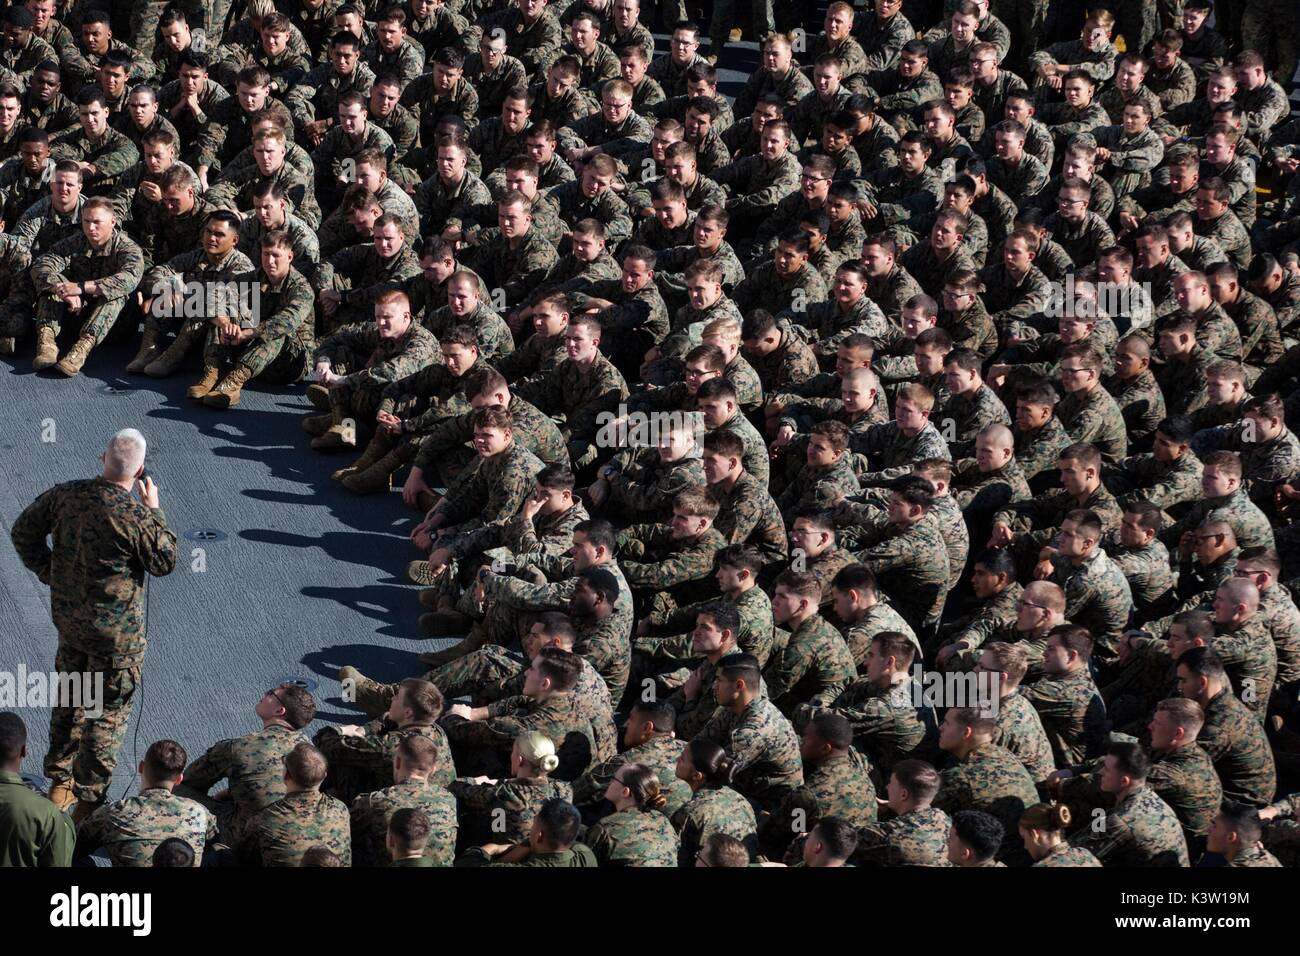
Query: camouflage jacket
[[1072, 712], [888, 723], [279, 834], [1097, 596], [105, 544], [991, 779], [840, 786], [1235, 741], [918, 838], [892, 454], [634, 837], [372, 811], [385, 360], [814, 667], [659, 753], [749, 515], [1021, 731], [764, 746], [131, 829], [713, 810], [1141, 831], [116, 268]]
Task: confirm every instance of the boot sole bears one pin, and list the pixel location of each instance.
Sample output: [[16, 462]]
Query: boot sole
[[219, 401]]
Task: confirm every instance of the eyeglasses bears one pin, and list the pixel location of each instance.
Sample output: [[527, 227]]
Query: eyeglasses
[[1073, 371], [1021, 604], [1062, 201], [701, 859]]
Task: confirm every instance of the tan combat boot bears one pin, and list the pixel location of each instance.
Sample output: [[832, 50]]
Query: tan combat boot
[[47, 349], [200, 389], [378, 477], [229, 389], [378, 447], [337, 436], [76, 357], [319, 396], [317, 424], [171, 359], [430, 597], [370, 695], [422, 574], [61, 794], [148, 352], [8, 345]]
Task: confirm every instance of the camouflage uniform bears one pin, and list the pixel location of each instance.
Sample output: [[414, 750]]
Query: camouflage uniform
[[503, 812], [111, 156], [562, 717], [1021, 731], [1249, 524], [765, 749], [1140, 831], [756, 185], [972, 630], [839, 786], [279, 834], [991, 779], [634, 837], [713, 810], [813, 668], [918, 838], [1066, 855], [1235, 741], [893, 453], [1250, 658], [371, 364], [659, 753], [372, 812], [888, 725], [911, 563], [131, 829], [1046, 512], [235, 188], [534, 431], [105, 543], [316, 96], [363, 763], [1141, 402], [1097, 597], [254, 766], [518, 271], [116, 270]]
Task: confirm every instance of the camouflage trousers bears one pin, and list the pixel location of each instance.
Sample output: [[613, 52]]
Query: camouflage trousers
[[361, 401], [350, 772], [1282, 839], [284, 360], [1269, 26], [762, 19], [17, 309], [84, 749], [98, 321], [145, 15], [1031, 17], [1137, 23], [468, 676]]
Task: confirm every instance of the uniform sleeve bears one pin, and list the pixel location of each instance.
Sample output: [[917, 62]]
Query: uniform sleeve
[[29, 534]]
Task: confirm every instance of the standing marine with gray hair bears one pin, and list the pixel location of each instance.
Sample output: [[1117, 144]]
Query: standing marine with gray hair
[[104, 544]]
